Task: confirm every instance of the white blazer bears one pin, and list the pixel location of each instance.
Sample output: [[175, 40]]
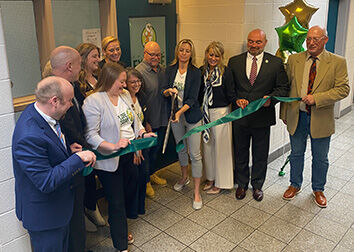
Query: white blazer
[[103, 125]]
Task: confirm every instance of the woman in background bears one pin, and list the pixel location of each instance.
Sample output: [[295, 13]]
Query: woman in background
[[183, 80], [138, 106], [90, 57], [216, 94], [111, 51]]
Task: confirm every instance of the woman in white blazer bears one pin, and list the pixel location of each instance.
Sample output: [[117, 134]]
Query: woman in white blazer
[[110, 126]]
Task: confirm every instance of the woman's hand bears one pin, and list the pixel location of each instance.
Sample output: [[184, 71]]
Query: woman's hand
[[148, 127], [177, 116], [122, 143], [150, 134], [170, 92], [138, 157]]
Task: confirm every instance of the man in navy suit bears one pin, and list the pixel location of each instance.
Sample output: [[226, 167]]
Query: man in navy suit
[[257, 74], [44, 169]]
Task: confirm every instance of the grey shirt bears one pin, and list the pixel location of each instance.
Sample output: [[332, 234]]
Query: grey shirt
[[156, 113]]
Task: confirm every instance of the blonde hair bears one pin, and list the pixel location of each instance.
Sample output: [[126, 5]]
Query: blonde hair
[[192, 58], [47, 70], [218, 49], [107, 40], [109, 74]]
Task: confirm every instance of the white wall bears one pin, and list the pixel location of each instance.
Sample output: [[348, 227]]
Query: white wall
[[230, 22], [12, 235]]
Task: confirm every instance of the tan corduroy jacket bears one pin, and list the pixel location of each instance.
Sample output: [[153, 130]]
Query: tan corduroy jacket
[[331, 85]]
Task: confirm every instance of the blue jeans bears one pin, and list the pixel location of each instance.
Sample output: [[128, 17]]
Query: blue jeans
[[319, 149]]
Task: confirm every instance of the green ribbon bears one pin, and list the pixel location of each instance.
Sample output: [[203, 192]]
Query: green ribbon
[[234, 115], [134, 146]]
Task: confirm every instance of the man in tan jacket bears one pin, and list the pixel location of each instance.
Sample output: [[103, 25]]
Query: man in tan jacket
[[321, 79]]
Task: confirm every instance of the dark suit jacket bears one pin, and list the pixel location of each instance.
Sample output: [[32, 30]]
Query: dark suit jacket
[[191, 90], [271, 80], [43, 171]]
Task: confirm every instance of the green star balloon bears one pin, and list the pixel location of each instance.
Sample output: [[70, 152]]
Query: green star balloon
[[291, 36]]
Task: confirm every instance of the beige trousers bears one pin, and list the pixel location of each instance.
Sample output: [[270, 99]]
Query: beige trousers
[[217, 153]]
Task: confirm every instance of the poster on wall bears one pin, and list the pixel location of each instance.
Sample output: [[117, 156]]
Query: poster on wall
[[92, 36], [143, 30]]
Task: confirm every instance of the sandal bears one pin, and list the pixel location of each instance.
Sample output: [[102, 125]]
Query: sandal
[[130, 238], [214, 190], [208, 186]]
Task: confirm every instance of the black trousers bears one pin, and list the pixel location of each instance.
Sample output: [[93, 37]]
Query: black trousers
[[113, 187], [90, 199], [155, 152], [260, 148], [134, 179], [77, 234]]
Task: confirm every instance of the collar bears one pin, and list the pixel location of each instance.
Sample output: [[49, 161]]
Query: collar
[[319, 57], [51, 121], [259, 57], [149, 68]]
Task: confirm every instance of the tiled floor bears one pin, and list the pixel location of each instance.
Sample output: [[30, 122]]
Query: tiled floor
[[227, 224]]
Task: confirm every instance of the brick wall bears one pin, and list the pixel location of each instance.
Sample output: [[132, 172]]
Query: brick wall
[[13, 237]]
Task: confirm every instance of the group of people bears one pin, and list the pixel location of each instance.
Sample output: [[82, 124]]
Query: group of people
[[88, 103]]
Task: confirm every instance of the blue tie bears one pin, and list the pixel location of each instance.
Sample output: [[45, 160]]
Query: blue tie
[[60, 134]]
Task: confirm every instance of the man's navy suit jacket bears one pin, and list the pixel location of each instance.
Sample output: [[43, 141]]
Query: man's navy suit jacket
[[43, 172]]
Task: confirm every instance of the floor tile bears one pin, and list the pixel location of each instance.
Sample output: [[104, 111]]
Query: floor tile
[[163, 218], [165, 194], [259, 241], [251, 216], [206, 197], [225, 205], [233, 230], [348, 188], [343, 199], [143, 232], [269, 204], [188, 249], [338, 214], [207, 217], [151, 206], [95, 238], [186, 231], [212, 242], [335, 183], [239, 249], [348, 240], [182, 205], [307, 241], [295, 215], [305, 201], [340, 172], [163, 242], [279, 229], [326, 228], [341, 249]]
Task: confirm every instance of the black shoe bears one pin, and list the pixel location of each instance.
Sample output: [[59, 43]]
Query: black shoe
[[258, 194], [240, 193]]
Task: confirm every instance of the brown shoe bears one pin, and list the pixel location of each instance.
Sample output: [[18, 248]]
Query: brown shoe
[[320, 199], [291, 192], [257, 194], [240, 193]]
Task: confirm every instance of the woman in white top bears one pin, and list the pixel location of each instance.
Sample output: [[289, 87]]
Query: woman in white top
[[110, 126], [183, 79]]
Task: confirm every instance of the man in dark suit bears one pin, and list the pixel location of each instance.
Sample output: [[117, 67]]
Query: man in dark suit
[[66, 63], [43, 167], [257, 74]]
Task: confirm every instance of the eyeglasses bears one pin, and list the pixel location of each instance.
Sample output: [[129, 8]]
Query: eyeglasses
[[315, 40], [158, 55], [135, 82]]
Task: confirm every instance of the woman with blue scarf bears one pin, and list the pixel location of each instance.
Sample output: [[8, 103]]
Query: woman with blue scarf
[[217, 92]]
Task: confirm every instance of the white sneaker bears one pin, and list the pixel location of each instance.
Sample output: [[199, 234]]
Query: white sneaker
[[95, 216], [178, 187], [89, 226]]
